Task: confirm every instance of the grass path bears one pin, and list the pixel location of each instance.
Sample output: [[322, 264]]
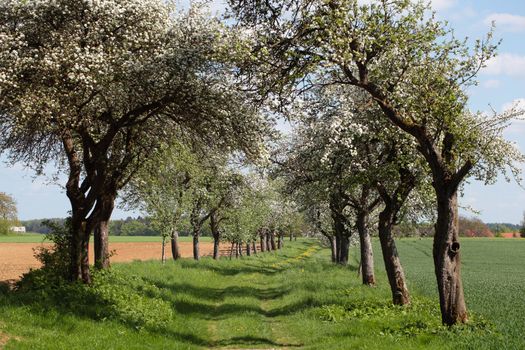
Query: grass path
[[290, 299], [256, 323]]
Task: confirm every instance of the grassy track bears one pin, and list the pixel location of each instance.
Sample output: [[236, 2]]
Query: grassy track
[[293, 299], [39, 238]]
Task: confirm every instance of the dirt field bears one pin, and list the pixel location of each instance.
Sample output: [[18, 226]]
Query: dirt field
[[17, 258]]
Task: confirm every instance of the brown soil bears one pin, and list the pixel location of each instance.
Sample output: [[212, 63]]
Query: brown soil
[[17, 258]]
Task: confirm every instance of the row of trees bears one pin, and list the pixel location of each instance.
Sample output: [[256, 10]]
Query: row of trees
[[97, 87], [183, 188], [387, 84], [132, 95]]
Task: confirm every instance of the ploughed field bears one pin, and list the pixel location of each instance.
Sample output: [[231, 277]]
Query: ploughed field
[[291, 299], [17, 252]]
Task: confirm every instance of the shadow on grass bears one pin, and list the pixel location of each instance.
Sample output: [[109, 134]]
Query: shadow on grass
[[253, 341], [218, 294]]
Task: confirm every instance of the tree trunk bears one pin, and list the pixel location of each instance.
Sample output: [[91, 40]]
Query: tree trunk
[[175, 252], [248, 249], [337, 226], [101, 244], [79, 263], [447, 262], [263, 241], [291, 237], [268, 241], [103, 210], [367, 257], [196, 245], [214, 227], [239, 246], [333, 248], [337, 238], [163, 255], [216, 246], [76, 253], [254, 247], [279, 242], [344, 250], [394, 270], [84, 265], [272, 240]]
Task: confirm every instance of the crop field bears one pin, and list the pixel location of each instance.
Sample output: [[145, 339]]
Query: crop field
[[291, 299], [18, 258]]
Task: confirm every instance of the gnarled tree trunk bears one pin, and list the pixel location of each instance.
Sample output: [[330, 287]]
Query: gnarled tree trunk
[[393, 202], [394, 270], [80, 207], [447, 262], [103, 210]]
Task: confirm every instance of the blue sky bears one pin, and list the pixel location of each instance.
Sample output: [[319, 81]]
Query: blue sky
[[501, 83]]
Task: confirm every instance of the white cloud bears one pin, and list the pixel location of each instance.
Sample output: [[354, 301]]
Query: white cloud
[[442, 4], [506, 64], [506, 22], [462, 13], [491, 84]]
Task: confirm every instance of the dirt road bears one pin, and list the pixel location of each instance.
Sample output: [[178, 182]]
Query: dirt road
[[17, 258]]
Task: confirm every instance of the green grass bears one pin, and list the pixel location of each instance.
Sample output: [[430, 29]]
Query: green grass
[[28, 237], [39, 238], [293, 299]]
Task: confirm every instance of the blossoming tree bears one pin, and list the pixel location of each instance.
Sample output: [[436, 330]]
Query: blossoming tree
[[415, 70], [95, 86]]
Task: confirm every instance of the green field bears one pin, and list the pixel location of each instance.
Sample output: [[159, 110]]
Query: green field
[[39, 238], [293, 299]]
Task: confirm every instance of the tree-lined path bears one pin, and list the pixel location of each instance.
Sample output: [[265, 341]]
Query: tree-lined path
[[289, 299]]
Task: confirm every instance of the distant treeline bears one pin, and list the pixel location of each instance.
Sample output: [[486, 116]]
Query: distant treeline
[[502, 227], [468, 227], [139, 226]]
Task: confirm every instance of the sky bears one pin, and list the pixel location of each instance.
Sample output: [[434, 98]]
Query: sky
[[501, 83]]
